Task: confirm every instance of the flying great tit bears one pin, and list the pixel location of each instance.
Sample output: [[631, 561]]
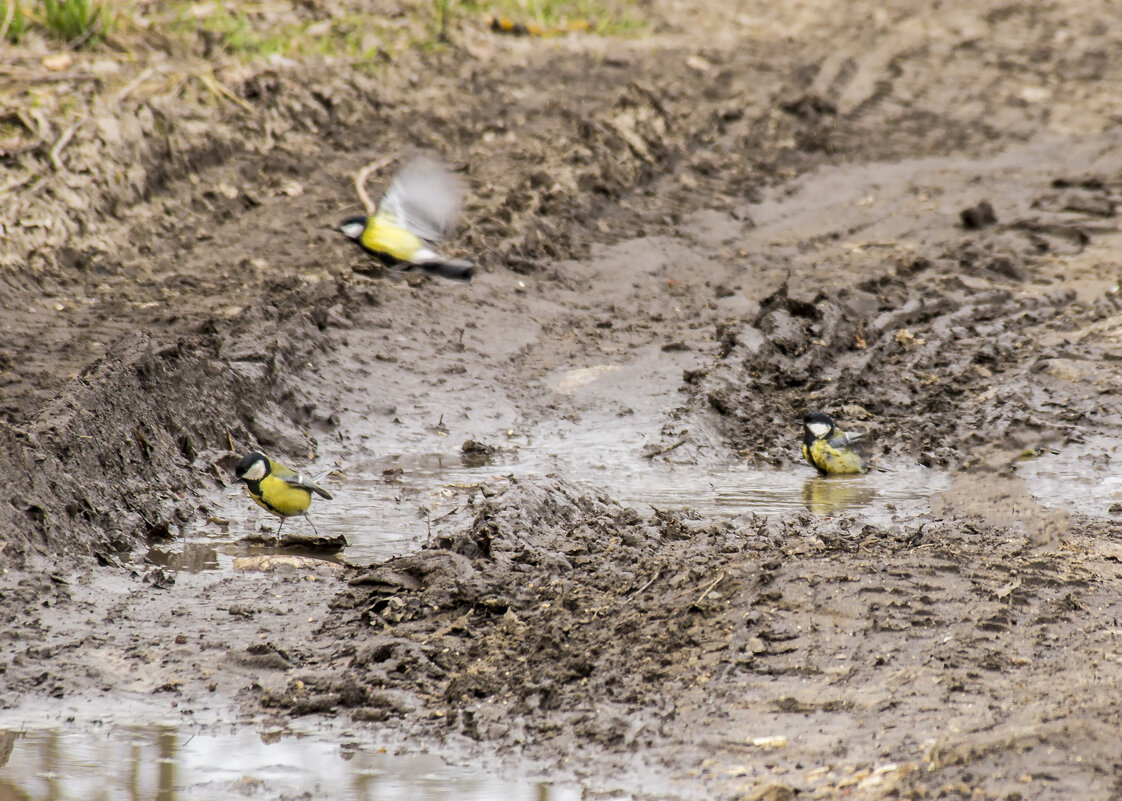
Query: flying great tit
[[828, 449], [411, 218], [280, 489]]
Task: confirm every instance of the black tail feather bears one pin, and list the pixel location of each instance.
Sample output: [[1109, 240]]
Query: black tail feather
[[452, 269]]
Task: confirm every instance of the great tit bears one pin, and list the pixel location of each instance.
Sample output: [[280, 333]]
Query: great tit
[[280, 489], [411, 218], [828, 449]]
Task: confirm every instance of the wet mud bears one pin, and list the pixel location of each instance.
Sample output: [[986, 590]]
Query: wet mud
[[686, 241]]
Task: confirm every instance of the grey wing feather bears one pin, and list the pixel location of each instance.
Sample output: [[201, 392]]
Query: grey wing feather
[[859, 441], [301, 480], [424, 197]]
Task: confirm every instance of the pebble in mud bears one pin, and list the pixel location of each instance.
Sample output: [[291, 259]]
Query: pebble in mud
[[978, 217]]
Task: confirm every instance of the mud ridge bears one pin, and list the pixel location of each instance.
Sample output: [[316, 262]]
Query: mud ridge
[[77, 486]]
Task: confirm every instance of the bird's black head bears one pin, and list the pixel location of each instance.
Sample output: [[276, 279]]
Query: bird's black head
[[352, 227], [253, 467], [816, 425]]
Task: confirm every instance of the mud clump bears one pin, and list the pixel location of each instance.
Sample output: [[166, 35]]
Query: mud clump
[[546, 599], [977, 217], [552, 615]]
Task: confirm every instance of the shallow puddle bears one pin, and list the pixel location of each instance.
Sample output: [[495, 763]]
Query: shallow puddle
[[1084, 478], [386, 506], [168, 764]]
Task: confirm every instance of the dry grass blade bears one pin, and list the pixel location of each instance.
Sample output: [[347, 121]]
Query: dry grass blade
[[708, 589], [24, 75], [62, 142], [15, 183], [361, 178], [131, 86], [220, 90]]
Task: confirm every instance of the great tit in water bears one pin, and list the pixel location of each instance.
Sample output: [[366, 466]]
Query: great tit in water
[[828, 449], [411, 218], [280, 489]]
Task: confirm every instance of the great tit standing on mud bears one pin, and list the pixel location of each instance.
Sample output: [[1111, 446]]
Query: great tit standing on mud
[[411, 218], [828, 449], [279, 489]]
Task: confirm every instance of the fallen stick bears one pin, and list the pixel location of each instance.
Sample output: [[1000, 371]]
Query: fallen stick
[[360, 182], [62, 142], [708, 589]]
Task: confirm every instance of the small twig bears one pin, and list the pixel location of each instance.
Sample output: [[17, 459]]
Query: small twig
[[89, 33], [360, 182], [708, 589], [62, 142], [35, 187], [31, 77], [446, 514], [654, 578], [665, 450], [212, 83], [131, 85], [16, 183]]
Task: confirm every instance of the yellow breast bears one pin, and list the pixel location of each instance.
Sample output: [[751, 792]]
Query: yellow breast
[[384, 235], [282, 498], [831, 460]]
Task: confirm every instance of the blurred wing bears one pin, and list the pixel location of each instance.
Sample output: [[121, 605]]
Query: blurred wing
[[860, 441], [423, 198], [302, 481]]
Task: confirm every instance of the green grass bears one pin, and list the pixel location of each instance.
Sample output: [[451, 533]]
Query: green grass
[[355, 36], [242, 30], [604, 17], [17, 23], [73, 20]]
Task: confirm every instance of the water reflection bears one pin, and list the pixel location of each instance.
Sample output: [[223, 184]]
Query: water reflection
[[828, 496], [191, 557], [161, 763]]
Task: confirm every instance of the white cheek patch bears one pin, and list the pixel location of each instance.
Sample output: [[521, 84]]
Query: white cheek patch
[[353, 229], [255, 473], [819, 430]]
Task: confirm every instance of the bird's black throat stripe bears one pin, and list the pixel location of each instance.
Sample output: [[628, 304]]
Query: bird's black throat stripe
[[255, 491], [385, 258]]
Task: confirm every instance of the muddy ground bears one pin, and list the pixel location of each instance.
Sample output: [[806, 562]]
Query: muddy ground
[[693, 236]]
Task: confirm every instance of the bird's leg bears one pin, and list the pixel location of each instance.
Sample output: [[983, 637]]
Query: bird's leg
[[310, 523], [280, 527]]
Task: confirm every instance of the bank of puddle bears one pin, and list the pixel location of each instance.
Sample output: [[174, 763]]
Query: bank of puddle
[[165, 763]]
